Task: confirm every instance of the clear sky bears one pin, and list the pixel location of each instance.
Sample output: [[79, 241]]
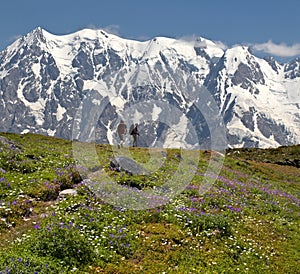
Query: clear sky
[[270, 26]]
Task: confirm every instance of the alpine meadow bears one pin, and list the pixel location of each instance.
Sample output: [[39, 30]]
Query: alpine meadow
[[53, 222]]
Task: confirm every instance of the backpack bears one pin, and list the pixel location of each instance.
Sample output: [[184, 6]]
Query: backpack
[[131, 129]]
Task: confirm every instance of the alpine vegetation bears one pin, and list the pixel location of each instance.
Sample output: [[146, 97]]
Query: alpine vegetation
[[53, 219]]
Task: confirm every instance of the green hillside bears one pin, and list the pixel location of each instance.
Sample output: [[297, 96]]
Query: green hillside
[[246, 222]]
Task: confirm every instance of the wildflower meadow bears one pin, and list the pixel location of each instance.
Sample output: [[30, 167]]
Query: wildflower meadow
[[246, 222]]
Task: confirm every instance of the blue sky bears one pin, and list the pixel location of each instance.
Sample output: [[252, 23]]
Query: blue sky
[[272, 27]]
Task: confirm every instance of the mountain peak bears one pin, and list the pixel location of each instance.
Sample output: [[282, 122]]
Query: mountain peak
[[37, 35], [44, 78]]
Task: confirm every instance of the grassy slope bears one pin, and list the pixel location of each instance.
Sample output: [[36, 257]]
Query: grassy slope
[[247, 222]]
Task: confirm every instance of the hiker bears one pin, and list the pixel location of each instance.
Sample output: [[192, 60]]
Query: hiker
[[134, 132], [122, 129]]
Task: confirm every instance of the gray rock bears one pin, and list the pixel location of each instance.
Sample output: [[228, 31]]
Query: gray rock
[[67, 192], [121, 163]]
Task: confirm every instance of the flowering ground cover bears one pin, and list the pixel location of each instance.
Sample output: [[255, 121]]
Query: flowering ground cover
[[246, 222]]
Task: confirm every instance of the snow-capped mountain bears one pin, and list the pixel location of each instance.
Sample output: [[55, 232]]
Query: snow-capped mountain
[[80, 85]]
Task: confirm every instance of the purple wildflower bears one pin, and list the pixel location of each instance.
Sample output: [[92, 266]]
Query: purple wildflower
[[235, 209]]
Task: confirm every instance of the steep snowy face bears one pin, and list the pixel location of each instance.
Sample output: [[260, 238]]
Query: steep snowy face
[[292, 69], [36, 96], [46, 80], [255, 100]]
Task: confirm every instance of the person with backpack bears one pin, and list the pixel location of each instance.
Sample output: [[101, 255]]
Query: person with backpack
[[134, 132], [122, 129]]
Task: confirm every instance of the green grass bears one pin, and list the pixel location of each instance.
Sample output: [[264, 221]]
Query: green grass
[[246, 222]]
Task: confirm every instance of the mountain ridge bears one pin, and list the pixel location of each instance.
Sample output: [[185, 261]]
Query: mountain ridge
[[44, 79]]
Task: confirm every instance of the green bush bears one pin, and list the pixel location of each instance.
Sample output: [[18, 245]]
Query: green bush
[[68, 177], [28, 264], [13, 161], [48, 191], [64, 242]]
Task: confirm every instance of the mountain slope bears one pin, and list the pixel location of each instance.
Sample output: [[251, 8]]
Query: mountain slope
[[80, 85], [247, 220]]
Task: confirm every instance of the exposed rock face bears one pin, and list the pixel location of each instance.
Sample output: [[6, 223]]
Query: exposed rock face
[[128, 165], [90, 80]]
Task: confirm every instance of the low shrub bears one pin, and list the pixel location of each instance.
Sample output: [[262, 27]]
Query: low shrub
[[64, 242]]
